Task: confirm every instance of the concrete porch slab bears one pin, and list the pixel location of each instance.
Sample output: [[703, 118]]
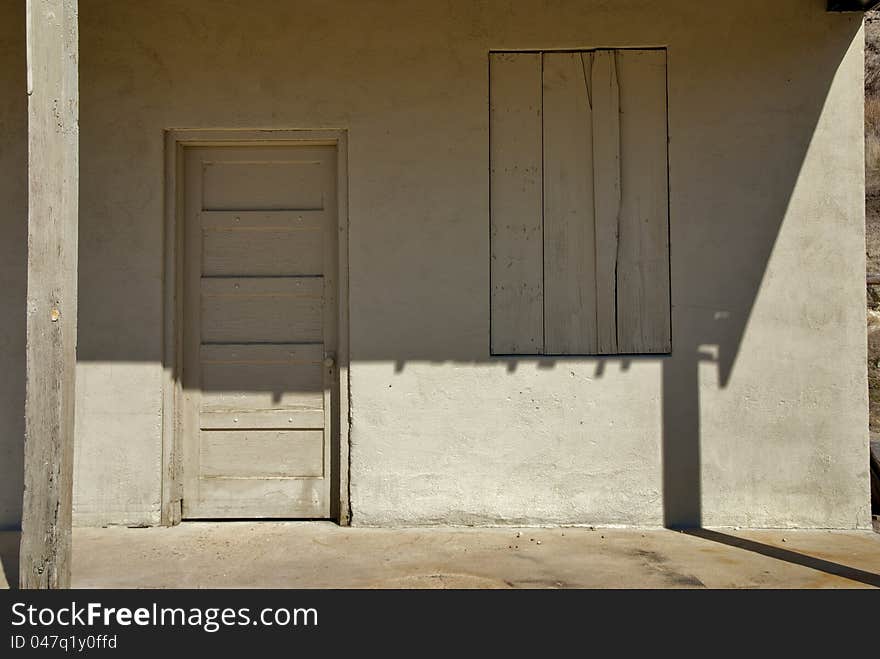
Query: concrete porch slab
[[323, 555]]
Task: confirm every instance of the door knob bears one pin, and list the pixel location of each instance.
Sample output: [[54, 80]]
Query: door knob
[[329, 361]]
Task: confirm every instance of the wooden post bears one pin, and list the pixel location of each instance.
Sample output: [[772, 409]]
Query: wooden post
[[53, 199]]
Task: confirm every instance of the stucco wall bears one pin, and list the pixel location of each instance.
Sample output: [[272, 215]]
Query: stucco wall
[[757, 419], [13, 257]]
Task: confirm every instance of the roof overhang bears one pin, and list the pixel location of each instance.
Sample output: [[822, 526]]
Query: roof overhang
[[852, 5]]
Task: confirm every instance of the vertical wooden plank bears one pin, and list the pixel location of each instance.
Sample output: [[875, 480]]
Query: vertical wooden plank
[[53, 198], [331, 316], [172, 391], [340, 457], [643, 304], [569, 224], [606, 182], [517, 305], [191, 334]]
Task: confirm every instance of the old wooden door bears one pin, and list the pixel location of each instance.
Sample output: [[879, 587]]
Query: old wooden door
[[259, 333]]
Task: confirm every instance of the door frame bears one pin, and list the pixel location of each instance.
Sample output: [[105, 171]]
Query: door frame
[[176, 140]]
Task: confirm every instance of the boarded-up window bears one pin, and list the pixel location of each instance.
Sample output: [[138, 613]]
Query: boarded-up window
[[579, 203]]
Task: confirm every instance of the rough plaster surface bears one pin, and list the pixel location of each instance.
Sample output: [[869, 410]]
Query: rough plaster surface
[[13, 258], [759, 417]]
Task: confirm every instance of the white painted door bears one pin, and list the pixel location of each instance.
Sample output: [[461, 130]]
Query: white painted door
[[259, 335]]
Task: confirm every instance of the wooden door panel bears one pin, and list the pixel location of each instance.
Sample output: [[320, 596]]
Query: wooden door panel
[[261, 498], [259, 324], [262, 309], [262, 453], [298, 417], [261, 377], [285, 243], [276, 183]]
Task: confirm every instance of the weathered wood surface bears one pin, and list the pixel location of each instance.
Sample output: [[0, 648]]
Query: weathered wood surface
[[53, 190], [261, 377], [262, 309], [517, 305], [254, 418], [262, 454], [281, 243], [260, 321], [606, 183], [569, 220], [265, 183], [235, 497], [643, 304], [597, 276]]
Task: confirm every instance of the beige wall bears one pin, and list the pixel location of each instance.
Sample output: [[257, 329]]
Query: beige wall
[[13, 257], [759, 417]]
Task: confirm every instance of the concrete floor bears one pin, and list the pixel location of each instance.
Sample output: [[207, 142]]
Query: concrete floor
[[323, 555]]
